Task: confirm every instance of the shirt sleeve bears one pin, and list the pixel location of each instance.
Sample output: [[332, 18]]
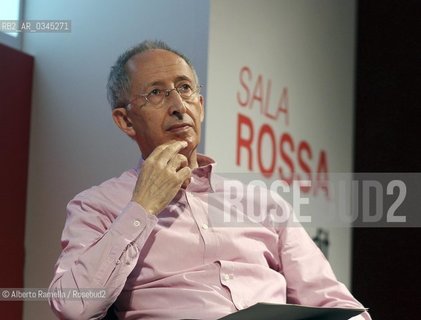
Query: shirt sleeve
[[310, 278], [98, 253]]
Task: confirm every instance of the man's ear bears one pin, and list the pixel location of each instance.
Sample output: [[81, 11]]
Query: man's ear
[[122, 120]]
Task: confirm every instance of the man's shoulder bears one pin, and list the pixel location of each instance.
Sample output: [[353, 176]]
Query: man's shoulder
[[97, 207], [113, 191]]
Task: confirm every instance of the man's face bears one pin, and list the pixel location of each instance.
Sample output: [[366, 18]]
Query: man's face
[[174, 118]]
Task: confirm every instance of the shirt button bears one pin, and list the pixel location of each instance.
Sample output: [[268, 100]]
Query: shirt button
[[226, 277], [136, 223], [205, 226]]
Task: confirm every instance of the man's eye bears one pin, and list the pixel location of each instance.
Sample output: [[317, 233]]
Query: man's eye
[[155, 92], [185, 88]]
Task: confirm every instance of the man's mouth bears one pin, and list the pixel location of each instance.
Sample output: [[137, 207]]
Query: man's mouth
[[179, 127]]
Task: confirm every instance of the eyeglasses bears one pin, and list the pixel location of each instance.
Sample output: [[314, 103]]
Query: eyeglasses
[[156, 96]]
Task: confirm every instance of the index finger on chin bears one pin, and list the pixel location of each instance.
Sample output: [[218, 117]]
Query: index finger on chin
[[174, 148], [167, 150]]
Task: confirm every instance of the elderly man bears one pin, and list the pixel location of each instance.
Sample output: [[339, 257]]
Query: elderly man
[[157, 239]]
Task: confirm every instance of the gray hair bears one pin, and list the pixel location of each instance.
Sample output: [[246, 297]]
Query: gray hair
[[118, 84]]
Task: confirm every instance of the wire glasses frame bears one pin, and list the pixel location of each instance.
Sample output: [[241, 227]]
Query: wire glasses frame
[[157, 96]]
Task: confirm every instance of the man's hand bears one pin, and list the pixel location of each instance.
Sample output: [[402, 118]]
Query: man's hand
[[162, 175]]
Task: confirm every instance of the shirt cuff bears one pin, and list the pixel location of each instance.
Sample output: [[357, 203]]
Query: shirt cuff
[[133, 221]]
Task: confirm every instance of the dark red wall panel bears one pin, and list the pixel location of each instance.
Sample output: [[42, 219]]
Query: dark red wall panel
[[15, 105]]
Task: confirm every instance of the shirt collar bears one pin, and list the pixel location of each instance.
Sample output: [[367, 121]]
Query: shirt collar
[[202, 175]]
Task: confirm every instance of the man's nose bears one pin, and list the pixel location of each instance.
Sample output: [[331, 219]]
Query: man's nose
[[175, 102]]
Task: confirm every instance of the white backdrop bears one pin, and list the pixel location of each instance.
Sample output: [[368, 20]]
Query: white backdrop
[[280, 99]]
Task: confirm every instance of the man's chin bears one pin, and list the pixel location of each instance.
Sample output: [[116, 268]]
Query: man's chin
[[188, 151], [190, 139]]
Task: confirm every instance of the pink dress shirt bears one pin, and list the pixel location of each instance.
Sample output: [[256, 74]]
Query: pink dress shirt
[[198, 259]]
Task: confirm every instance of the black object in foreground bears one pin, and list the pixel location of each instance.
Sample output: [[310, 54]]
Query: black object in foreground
[[270, 311]]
